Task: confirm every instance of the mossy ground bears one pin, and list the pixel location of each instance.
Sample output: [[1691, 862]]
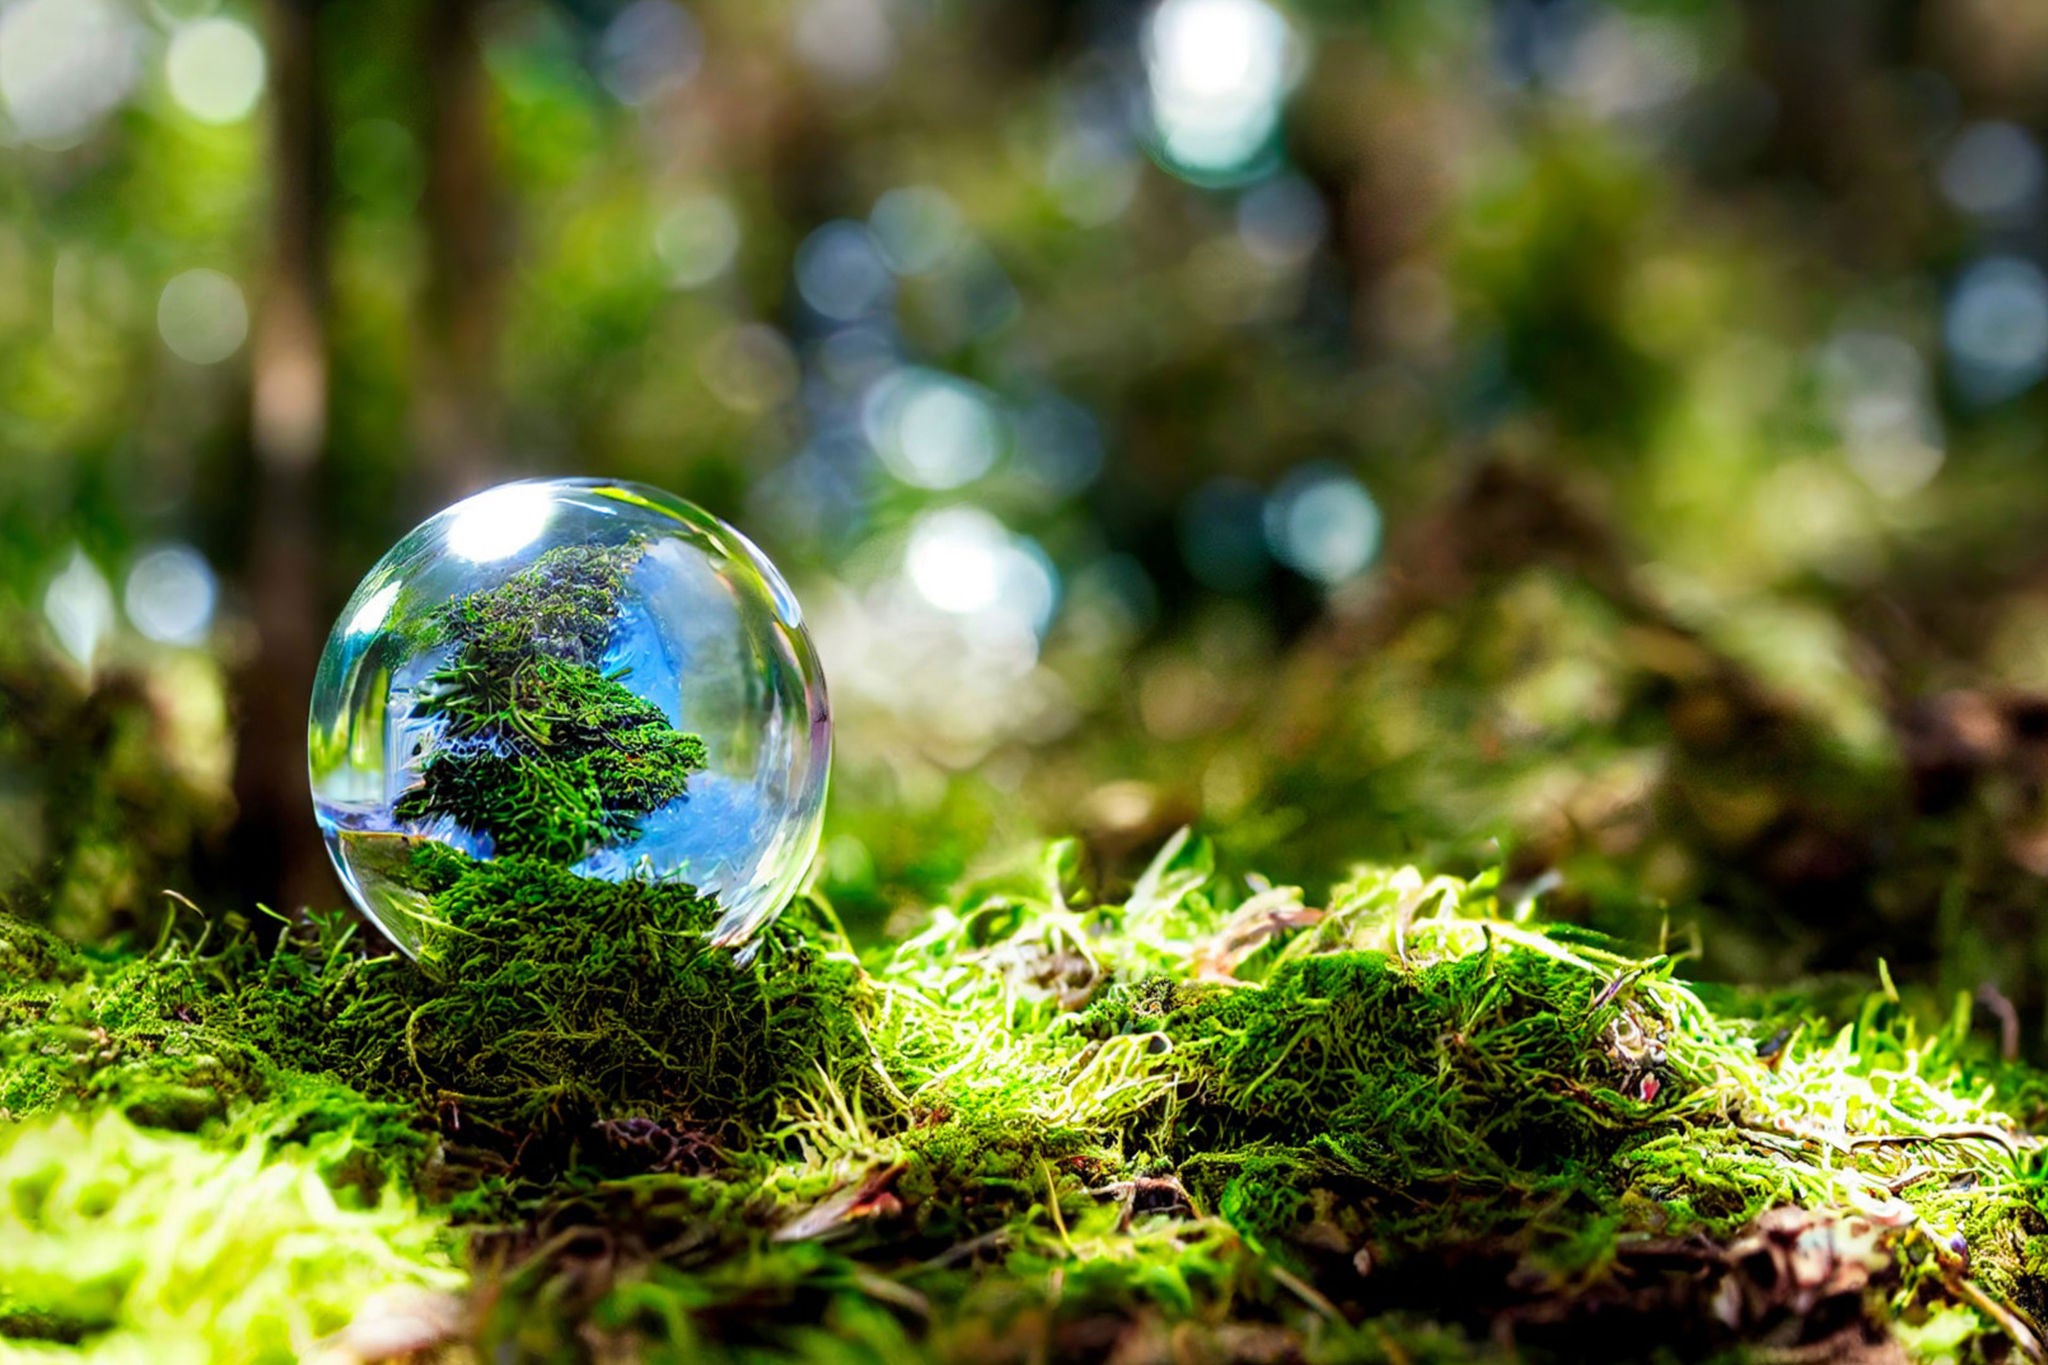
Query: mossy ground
[[1195, 1121]]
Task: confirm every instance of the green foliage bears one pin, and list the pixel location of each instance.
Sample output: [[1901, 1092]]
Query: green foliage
[[542, 750], [129, 1245]]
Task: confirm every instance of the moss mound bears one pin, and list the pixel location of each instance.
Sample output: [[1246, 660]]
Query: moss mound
[[564, 1002], [1482, 1072]]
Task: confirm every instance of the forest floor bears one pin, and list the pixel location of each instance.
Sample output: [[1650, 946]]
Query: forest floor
[[1209, 1120]]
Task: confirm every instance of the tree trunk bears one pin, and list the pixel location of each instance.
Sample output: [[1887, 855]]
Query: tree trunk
[[278, 845], [455, 404]]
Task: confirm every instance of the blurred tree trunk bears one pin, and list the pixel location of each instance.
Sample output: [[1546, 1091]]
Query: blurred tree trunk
[[277, 843], [456, 405]]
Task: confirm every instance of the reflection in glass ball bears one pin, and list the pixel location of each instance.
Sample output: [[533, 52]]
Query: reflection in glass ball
[[598, 675]]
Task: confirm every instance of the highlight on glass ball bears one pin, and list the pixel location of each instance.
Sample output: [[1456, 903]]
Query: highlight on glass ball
[[598, 675]]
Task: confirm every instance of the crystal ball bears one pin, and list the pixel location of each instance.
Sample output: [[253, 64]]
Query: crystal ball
[[597, 674]]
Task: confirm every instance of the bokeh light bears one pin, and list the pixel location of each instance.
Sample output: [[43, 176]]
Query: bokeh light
[[1091, 168], [1997, 329], [202, 317], [1993, 170], [953, 559], [1282, 221], [697, 240], [852, 358], [215, 69], [65, 64], [917, 229], [848, 42], [750, 368], [1059, 445], [1322, 523], [79, 607], [949, 646], [170, 595], [1110, 603], [1218, 73], [965, 562], [1617, 64], [650, 50], [839, 272], [932, 430], [1883, 404]]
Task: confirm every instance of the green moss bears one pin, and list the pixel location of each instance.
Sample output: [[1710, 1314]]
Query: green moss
[[600, 998], [34, 957], [1404, 1086], [2007, 1242], [541, 749], [1468, 1068], [1259, 1192], [563, 1004], [563, 1001], [160, 1246], [111, 1035], [563, 605], [1050, 1126]]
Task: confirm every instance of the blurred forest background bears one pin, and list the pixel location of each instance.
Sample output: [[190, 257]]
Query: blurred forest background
[[1601, 436]]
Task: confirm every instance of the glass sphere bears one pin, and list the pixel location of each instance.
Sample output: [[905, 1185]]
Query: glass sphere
[[597, 674]]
